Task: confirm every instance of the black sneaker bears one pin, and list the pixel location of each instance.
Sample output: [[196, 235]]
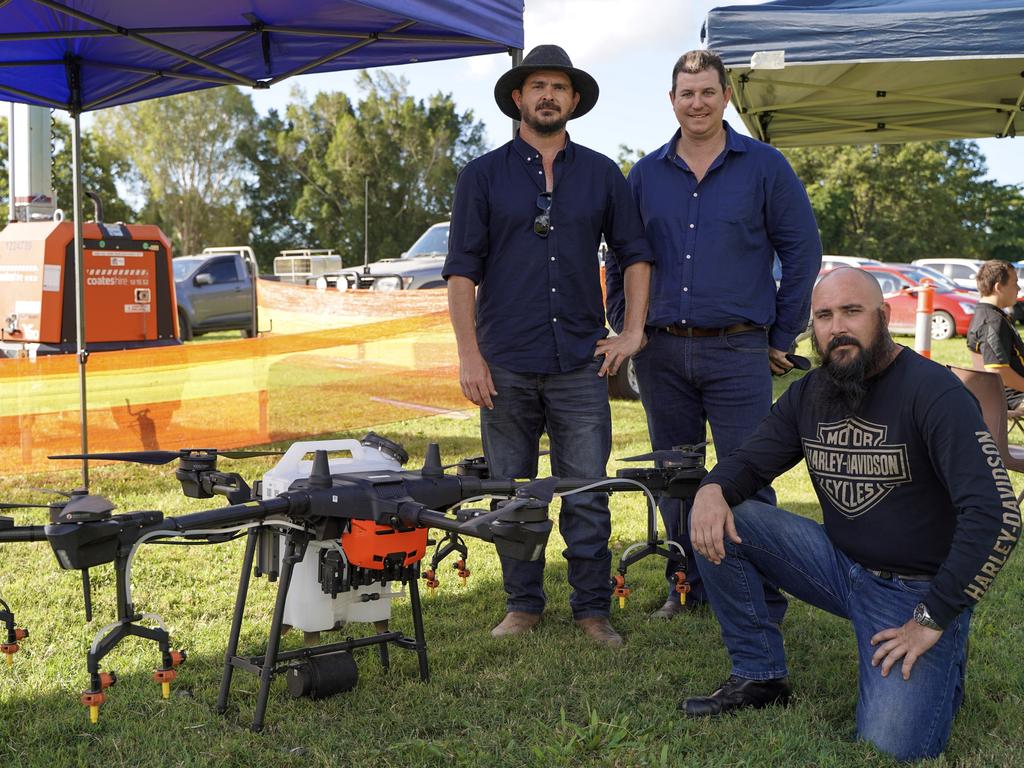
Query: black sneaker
[[738, 693]]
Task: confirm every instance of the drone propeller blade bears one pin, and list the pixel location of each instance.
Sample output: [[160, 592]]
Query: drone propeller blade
[[541, 490], [673, 454], [165, 457], [139, 457], [10, 505], [52, 490]]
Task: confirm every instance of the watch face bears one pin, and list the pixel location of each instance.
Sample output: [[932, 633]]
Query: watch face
[[922, 617]]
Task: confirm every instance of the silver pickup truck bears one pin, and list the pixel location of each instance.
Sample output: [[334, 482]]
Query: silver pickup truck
[[418, 267]]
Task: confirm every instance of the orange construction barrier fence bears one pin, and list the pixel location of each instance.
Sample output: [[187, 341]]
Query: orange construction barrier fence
[[333, 362]]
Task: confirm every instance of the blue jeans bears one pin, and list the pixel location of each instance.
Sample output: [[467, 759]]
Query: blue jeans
[[573, 409], [909, 719], [686, 383]]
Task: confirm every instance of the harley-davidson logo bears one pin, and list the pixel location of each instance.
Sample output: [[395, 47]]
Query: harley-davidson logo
[[853, 466]]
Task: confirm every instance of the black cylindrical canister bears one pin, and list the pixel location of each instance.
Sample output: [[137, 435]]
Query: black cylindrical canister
[[323, 676]]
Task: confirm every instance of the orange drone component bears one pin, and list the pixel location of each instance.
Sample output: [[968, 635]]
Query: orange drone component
[[369, 545], [621, 591], [93, 699], [129, 286], [682, 587]]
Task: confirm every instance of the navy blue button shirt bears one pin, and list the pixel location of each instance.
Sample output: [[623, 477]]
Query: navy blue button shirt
[[539, 307], [714, 242]]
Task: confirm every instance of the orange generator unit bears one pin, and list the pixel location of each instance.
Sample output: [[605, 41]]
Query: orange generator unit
[[128, 291]]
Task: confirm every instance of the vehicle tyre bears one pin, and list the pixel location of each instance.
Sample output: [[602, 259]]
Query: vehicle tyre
[[184, 327], [943, 326], [624, 384], [321, 283]]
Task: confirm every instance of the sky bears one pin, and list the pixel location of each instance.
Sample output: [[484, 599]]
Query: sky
[[629, 46]]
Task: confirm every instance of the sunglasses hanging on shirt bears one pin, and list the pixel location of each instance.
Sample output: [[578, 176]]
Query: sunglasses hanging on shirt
[[542, 224]]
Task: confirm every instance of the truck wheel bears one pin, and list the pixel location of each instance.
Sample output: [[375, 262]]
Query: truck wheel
[[624, 385], [184, 327]]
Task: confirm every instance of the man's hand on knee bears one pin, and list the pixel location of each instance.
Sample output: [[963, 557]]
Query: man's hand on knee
[[711, 520], [908, 642]]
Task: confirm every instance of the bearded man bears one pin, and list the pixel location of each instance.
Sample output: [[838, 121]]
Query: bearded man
[[919, 516], [524, 295]]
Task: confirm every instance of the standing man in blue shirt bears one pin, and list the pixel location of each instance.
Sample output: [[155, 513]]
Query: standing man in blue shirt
[[524, 294], [717, 208]]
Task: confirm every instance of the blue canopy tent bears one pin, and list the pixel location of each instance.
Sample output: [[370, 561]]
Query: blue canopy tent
[[808, 72], [81, 55]]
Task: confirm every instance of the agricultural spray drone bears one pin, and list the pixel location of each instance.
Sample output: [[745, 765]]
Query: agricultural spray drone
[[338, 533]]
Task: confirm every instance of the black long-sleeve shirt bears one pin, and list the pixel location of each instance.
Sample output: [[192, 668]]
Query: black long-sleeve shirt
[[912, 484]]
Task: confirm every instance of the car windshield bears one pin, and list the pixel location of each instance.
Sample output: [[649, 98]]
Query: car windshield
[[917, 274], [433, 242], [184, 266]]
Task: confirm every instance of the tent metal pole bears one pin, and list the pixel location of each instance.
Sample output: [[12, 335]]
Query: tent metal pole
[[83, 354], [517, 59], [11, 218]]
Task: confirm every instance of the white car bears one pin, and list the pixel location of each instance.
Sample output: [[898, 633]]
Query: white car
[[830, 261], [961, 271]]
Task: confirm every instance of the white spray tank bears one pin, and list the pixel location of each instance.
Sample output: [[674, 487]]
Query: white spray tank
[[308, 607]]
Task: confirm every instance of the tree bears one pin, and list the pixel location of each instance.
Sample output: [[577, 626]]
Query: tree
[[186, 164], [409, 151], [272, 191], [627, 158], [102, 169], [899, 202]]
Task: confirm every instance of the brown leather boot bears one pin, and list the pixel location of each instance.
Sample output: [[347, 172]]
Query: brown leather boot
[[600, 630], [516, 623]]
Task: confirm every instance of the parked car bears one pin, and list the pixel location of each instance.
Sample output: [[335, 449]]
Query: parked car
[[216, 291], [961, 271], [418, 267], [830, 261], [953, 308]]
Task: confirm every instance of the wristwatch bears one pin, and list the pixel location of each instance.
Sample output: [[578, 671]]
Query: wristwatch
[[922, 617]]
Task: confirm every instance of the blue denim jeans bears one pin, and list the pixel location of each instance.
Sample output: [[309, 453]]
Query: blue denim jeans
[[686, 383], [909, 719], [573, 409]]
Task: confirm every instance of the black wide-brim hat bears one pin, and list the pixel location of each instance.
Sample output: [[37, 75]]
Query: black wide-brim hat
[[546, 57]]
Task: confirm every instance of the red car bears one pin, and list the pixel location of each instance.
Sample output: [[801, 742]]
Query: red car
[[953, 307]]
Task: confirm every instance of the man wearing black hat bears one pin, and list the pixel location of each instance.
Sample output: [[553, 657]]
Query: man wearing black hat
[[524, 294]]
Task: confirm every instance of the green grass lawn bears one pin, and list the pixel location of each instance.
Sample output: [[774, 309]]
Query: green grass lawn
[[549, 699]]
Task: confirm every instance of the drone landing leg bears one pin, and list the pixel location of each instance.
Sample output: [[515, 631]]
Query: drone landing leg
[[236, 620], [385, 659], [417, 620], [295, 548]]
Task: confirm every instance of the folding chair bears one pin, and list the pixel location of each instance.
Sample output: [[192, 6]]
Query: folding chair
[[987, 387], [1014, 416]]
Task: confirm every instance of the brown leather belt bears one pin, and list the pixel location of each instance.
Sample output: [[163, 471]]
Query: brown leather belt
[[679, 330]]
